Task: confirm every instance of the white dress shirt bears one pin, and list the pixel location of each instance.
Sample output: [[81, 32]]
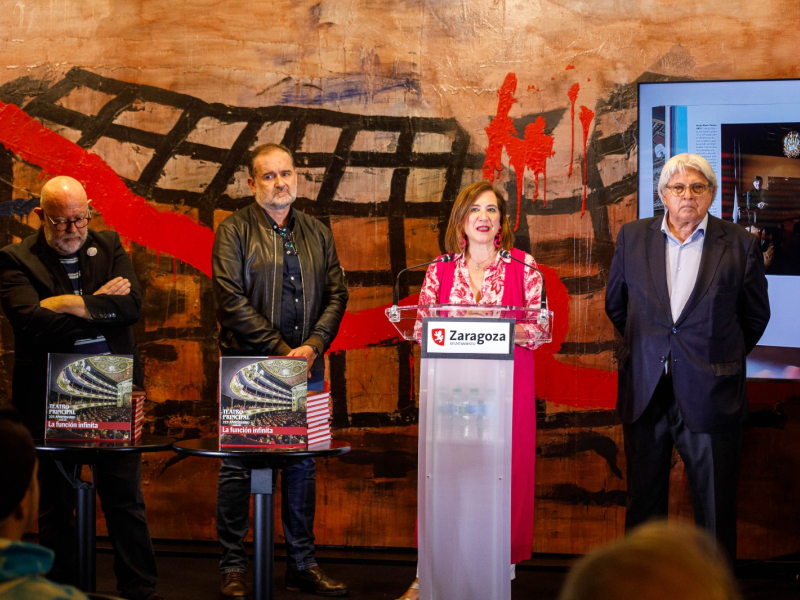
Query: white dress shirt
[[683, 264]]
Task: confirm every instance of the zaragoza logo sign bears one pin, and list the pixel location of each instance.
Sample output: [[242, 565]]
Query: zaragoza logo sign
[[468, 338]]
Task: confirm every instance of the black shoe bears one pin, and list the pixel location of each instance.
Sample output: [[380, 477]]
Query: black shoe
[[314, 580], [233, 585]]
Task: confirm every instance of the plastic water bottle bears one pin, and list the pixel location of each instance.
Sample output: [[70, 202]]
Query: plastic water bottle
[[469, 415], [481, 419], [447, 411], [485, 409]]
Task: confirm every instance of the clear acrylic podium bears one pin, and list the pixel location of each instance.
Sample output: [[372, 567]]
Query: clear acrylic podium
[[464, 481]]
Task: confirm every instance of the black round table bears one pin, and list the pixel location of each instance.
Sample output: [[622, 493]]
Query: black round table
[[262, 462], [77, 454]]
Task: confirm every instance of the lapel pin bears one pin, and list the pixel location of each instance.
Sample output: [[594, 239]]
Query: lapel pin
[[91, 251]]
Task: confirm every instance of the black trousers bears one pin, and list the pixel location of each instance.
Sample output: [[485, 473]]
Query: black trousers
[[119, 488], [712, 463]]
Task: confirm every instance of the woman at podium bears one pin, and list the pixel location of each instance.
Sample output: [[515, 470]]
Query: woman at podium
[[477, 231]]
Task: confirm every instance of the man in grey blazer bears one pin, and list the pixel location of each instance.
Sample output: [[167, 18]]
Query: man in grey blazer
[[688, 293]]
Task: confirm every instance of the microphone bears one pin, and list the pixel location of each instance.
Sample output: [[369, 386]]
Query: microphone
[[396, 295], [543, 315]]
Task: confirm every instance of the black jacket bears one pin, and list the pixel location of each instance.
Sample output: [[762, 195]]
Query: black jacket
[[247, 268], [30, 272], [724, 317]]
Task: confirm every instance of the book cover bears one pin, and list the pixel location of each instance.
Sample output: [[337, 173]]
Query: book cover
[[89, 397], [262, 402]]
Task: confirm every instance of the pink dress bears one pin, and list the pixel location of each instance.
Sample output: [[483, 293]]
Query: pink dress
[[506, 283]]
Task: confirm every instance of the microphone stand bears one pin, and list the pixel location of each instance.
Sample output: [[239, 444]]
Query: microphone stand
[[394, 312], [544, 316]]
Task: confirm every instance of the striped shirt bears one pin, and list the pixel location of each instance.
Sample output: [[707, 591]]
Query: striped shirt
[[93, 345]]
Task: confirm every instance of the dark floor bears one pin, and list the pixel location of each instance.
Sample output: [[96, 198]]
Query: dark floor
[[192, 573]]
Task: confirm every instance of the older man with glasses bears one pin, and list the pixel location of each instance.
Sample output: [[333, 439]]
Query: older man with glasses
[[69, 289], [688, 293]]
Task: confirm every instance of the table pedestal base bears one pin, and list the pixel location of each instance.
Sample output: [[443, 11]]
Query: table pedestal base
[[85, 539], [262, 463], [262, 487]]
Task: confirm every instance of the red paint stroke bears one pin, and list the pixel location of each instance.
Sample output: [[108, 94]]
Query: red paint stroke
[[586, 117], [129, 214], [588, 79], [532, 87], [530, 152], [570, 67], [573, 96], [556, 381], [190, 242]]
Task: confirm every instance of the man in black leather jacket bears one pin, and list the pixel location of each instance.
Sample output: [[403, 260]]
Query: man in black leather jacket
[[280, 292]]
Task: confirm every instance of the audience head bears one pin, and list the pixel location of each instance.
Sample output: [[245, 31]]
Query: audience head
[[758, 181], [658, 561], [20, 496]]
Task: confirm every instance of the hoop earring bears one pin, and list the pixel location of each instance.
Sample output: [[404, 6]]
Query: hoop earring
[[498, 238], [463, 242]]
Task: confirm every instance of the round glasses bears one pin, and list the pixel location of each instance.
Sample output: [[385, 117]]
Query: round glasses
[[696, 189], [64, 225]]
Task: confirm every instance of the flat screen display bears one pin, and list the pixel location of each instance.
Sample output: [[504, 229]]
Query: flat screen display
[[749, 131]]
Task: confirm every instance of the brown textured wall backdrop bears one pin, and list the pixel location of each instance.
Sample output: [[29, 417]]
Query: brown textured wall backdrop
[[386, 106]]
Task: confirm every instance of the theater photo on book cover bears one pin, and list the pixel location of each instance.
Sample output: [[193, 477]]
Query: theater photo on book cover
[[262, 402], [89, 397]]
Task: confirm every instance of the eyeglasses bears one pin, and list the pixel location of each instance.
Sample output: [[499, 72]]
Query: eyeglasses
[[64, 225], [696, 189]]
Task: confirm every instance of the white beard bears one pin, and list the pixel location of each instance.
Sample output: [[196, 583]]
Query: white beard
[[66, 244]]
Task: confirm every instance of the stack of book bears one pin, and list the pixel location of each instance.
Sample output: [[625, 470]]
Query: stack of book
[[139, 397], [91, 398], [319, 417]]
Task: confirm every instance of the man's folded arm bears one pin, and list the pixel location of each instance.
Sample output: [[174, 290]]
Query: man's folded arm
[[116, 308], [37, 324]]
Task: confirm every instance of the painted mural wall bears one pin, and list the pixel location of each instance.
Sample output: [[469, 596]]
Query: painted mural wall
[[391, 108]]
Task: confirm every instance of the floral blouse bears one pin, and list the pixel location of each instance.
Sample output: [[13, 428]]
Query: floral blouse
[[491, 290]]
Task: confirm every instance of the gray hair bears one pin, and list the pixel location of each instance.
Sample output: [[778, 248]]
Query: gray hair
[[679, 163], [265, 149]]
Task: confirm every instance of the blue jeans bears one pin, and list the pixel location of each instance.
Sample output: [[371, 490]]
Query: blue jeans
[[298, 504]]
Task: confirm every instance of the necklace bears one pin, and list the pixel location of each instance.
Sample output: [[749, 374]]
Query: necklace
[[479, 265]]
